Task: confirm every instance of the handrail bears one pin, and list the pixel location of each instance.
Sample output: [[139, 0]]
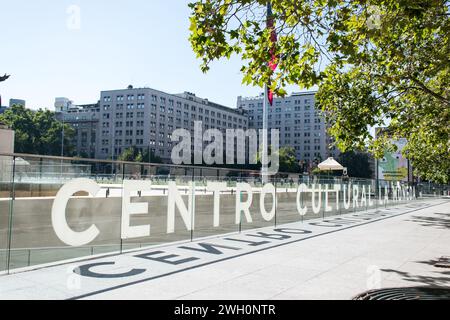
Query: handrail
[[24, 155], [193, 167]]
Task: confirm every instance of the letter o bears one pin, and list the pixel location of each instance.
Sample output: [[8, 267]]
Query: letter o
[[268, 188]]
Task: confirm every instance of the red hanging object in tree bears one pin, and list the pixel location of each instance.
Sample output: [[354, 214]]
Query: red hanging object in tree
[[273, 64]]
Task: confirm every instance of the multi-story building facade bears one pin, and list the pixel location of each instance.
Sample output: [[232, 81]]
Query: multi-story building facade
[[144, 118], [84, 120], [63, 105], [17, 102], [299, 123], [12, 102]]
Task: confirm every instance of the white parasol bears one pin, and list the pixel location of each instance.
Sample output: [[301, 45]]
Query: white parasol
[[330, 165]]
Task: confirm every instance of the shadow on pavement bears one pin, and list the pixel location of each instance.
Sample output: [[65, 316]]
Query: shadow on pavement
[[441, 220], [442, 278]]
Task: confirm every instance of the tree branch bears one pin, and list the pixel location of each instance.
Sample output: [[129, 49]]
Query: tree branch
[[429, 91]]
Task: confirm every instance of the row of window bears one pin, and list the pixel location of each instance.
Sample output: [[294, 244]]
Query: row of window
[[279, 103], [281, 110], [179, 113], [278, 123], [129, 97], [317, 120], [119, 150], [129, 106], [163, 125], [162, 107], [286, 116]]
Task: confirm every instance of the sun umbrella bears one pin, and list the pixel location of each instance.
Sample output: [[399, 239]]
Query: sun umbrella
[[330, 165]]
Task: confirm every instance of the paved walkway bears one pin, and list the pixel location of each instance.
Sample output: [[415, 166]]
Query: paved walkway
[[335, 259]]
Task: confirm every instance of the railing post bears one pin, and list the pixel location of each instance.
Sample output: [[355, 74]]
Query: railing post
[[193, 205], [323, 199], [120, 235], [367, 199], [240, 212], [275, 200], [10, 217]]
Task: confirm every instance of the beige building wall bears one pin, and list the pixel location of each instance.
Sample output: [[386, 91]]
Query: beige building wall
[[6, 146]]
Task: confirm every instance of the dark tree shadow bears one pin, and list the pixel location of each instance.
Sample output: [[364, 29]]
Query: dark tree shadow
[[440, 220], [442, 278]]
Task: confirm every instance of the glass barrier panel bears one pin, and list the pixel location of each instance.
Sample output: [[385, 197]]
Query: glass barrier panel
[[286, 210], [34, 239], [6, 207], [330, 207], [38, 180], [205, 223], [261, 199], [157, 199]]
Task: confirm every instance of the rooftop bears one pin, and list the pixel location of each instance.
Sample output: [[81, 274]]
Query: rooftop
[[293, 94], [189, 96]]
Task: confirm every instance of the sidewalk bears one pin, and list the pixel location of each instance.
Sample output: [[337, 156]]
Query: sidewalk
[[336, 259]]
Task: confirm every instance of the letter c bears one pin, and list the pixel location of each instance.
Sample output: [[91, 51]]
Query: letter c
[[59, 222], [85, 271]]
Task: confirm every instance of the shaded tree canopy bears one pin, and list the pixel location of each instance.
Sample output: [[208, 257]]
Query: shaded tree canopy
[[38, 132], [357, 164], [378, 63], [287, 159], [134, 154]]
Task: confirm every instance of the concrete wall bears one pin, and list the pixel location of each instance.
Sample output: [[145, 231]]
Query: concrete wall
[[32, 227], [6, 146], [6, 140]]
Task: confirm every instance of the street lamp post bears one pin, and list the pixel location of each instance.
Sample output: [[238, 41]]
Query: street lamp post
[[62, 143], [62, 135], [265, 144]]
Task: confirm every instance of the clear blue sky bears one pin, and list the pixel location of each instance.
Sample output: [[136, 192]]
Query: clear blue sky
[[139, 42]]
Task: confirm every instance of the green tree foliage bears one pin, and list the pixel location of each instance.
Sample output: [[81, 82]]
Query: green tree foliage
[[134, 154], [37, 132], [377, 62], [357, 164], [287, 159]]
